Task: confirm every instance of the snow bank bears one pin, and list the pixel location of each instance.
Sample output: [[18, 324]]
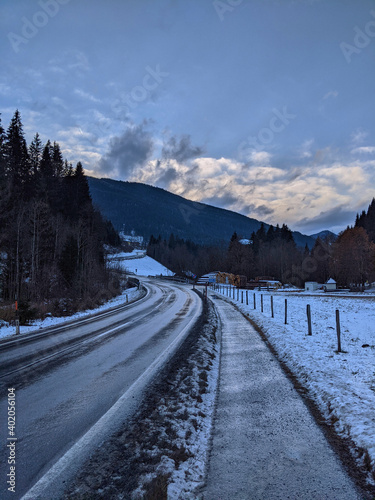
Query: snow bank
[[132, 293]]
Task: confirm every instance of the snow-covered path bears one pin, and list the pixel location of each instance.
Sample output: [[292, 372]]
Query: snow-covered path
[[266, 444]]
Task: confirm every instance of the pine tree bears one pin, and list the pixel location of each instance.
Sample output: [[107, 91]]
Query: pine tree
[[57, 160], [17, 159], [35, 154]]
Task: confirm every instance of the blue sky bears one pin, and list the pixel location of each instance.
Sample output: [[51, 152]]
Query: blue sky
[[264, 107]]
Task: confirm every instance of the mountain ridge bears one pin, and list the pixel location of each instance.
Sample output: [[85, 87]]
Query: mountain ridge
[[151, 210]]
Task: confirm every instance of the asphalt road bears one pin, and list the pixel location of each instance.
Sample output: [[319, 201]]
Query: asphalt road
[[67, 402]]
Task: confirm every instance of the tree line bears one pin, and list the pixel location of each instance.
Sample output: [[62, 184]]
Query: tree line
[[51, 237], [349, 258]]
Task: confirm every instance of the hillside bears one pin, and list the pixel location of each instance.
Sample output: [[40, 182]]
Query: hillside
[[324, 234], [149, 210]]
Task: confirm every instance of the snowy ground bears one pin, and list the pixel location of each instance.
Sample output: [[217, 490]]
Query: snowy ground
[[343, 384], [132, 293], [145, 266]]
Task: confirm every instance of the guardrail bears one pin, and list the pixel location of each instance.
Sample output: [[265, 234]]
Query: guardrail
[[176, 279]]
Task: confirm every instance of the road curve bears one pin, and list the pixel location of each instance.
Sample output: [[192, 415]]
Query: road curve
[[67, 402]]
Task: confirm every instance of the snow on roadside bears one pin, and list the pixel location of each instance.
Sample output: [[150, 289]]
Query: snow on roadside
[[342, 384], [188, 409], [131, 293], [144, 266]]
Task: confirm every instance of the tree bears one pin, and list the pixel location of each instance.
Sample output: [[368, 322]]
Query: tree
[[353, 257], [51, 238], [35, 154], [57, 160], [367, 220], [17, 158]]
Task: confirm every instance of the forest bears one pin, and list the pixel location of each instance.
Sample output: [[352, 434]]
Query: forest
[[349, 259], [51, 237]]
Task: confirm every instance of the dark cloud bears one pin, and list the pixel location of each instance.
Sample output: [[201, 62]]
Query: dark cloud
[[222, 200], [180, 150], [167, 176], [128, 151], [254, 211], [337, 216]]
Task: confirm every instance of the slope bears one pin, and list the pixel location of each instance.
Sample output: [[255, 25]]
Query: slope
[[149, 210]]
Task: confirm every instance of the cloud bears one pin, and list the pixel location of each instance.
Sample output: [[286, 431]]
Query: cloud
[[331, 93], [305, 149], [86, 95], [260, 211], [364, 150], [324, 192], [358, 136], [335, 217], [180, 150], [260, 157], [127, 152]]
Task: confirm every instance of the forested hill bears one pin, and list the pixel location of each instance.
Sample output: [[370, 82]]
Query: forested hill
[[51, 238], [149, 210]]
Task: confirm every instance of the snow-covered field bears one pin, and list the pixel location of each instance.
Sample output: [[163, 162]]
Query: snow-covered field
[[145, 266], [132, 293], [343, 384]]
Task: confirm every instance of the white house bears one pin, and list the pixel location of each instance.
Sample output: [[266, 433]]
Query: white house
[[330, 285], [311, 286]]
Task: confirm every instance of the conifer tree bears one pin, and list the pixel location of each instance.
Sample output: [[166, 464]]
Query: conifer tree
[[17, 158], [35, 154]]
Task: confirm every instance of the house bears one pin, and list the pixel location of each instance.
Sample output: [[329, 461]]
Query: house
[[330, 285], [311, 286]]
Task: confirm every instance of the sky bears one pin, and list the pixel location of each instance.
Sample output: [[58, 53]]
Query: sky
[[264, 107]]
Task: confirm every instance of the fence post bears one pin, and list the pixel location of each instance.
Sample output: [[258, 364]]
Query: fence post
[[241, 296], [261, 302], [338, 330], [247, 298], [272, 306], [308, 311], [286, 311], [255, 304], [238, 294]]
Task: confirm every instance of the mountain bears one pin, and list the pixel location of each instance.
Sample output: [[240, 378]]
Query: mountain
[[149, 210], [323, 235]]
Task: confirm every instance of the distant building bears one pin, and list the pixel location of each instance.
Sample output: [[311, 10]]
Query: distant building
[[311, 286], [330, 285], [207, 278]]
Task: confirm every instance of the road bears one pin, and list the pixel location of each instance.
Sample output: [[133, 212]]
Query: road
[[73, 388]]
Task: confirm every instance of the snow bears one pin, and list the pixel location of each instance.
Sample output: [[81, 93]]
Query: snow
[[342, 384], [132, 293], [144, 266]]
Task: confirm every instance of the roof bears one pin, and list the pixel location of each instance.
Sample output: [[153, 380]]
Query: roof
[[331, 280]]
